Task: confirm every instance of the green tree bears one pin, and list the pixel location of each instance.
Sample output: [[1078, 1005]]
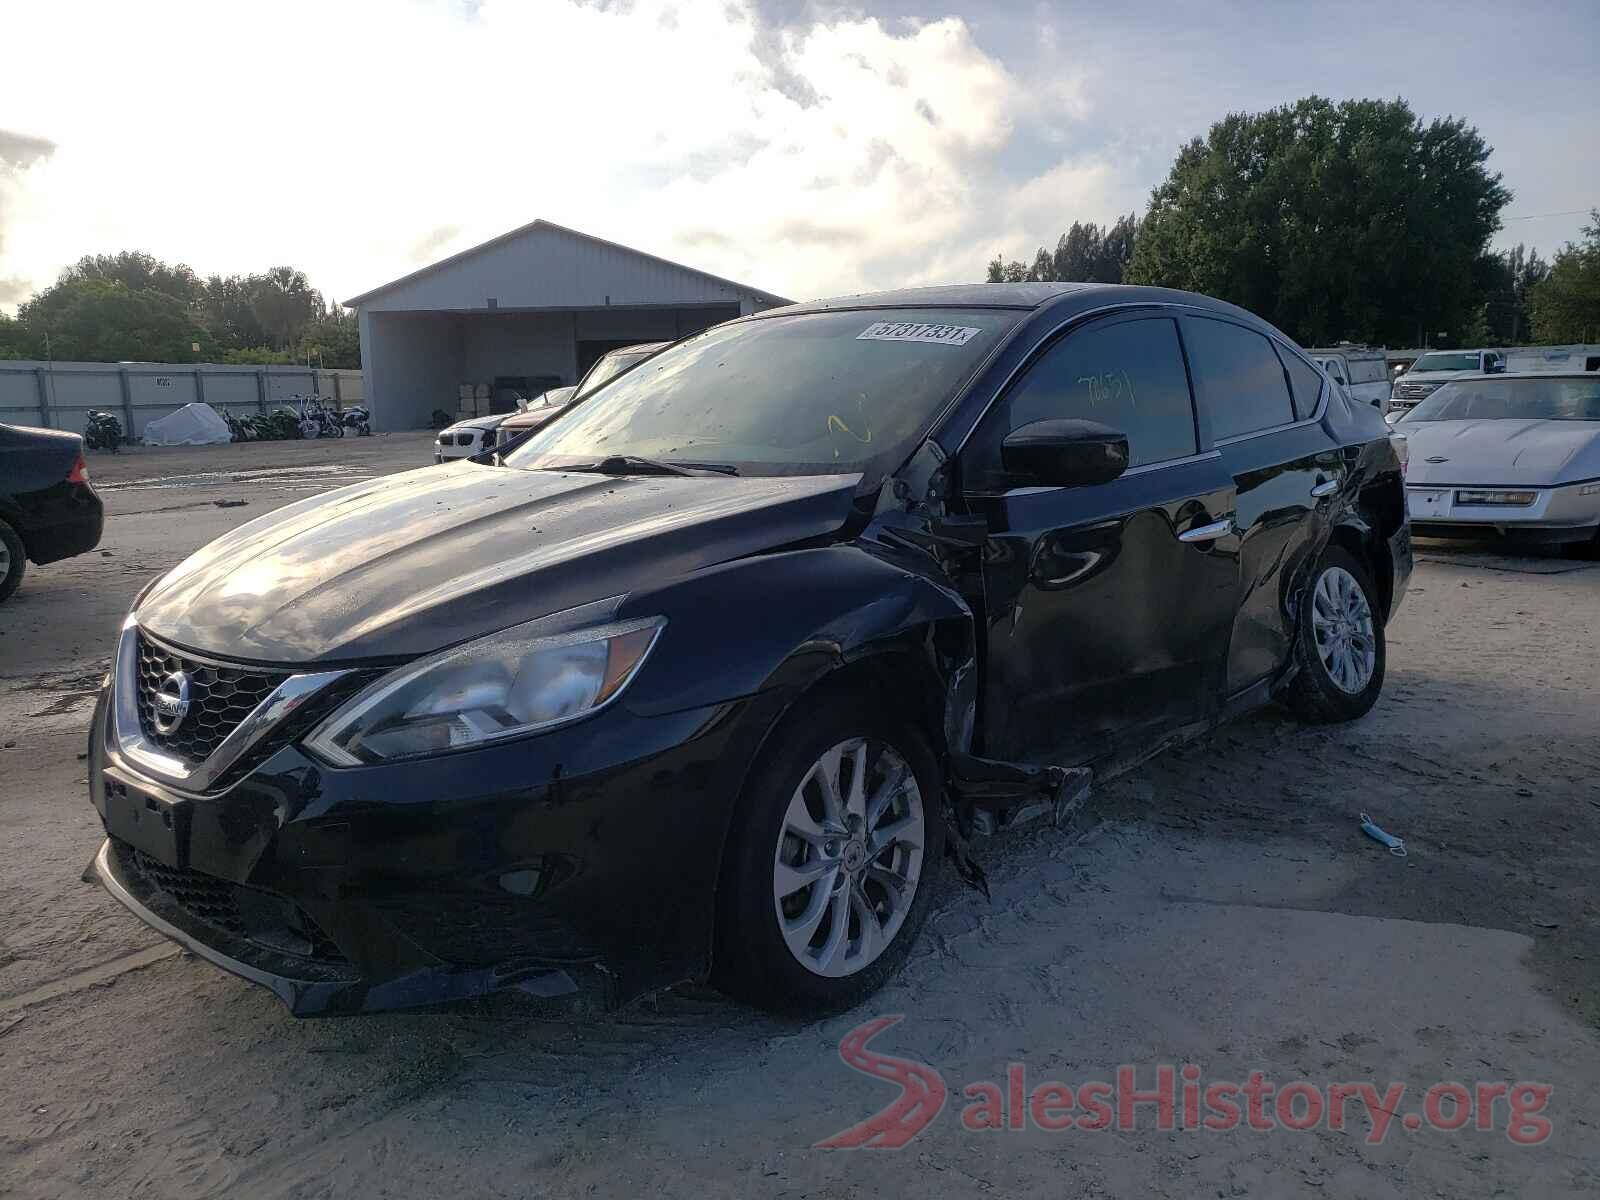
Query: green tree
[[93, 320], [12, 338], [1566, 303], [1507, 280], [1086, 253], [139, 272], [285, 303], [228, 313], [255, 356], [334, 339], [1078, 253], [1349, 220], [1116, 249], [133, 306]]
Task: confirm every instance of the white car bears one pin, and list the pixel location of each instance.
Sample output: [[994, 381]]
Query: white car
[[1514, 455], [466, 438], [1436, 368]]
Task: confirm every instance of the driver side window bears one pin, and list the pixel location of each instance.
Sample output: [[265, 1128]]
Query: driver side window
[[1127, 374]]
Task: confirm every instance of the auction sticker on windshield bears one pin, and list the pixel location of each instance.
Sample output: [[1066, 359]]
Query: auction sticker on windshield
[[917, 331]]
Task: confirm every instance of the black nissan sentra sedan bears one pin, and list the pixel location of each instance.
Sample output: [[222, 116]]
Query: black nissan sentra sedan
[[711, 677]]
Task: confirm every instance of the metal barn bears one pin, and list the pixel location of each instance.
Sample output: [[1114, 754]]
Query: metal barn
[[526, 311]]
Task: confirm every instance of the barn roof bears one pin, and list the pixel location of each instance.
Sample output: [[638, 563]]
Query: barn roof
[[548, 229]]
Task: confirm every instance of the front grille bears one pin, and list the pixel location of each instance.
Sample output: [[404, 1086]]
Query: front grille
[[264, 918], [220, 698], [1417, 391]]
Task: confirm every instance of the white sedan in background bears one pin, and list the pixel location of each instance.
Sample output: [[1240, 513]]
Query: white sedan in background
[[1514, 455], [466, 438]]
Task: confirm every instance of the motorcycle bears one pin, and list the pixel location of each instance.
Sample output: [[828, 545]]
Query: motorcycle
[[318, 420], [239, 431], [102, 431], [357, 420]]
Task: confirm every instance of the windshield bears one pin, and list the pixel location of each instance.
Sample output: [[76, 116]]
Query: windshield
[[1446, 362], [608, 368], [1511, 400], [809, 394]]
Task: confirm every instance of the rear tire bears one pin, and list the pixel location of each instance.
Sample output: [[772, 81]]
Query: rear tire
[[821, 901], [1339, 645], [13, 561]]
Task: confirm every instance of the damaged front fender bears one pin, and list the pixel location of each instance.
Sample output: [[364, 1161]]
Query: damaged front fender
[[898, 595]]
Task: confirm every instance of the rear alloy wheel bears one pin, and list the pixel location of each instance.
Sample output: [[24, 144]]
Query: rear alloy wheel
[[1339, 644], [831, 860], [13, 561]]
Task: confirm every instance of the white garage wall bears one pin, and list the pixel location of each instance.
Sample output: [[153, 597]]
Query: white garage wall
[[413, 364]]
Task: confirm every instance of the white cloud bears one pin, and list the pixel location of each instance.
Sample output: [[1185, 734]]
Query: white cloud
[[357, 139]]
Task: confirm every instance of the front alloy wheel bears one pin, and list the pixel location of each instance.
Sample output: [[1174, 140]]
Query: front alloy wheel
[[849, 857], [832, 857]]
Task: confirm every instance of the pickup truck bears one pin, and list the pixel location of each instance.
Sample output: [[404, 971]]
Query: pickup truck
[[1438, 367], [1363, 371]]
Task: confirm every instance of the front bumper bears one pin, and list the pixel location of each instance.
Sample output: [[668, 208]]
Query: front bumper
[[1557, 514], [582, 863]]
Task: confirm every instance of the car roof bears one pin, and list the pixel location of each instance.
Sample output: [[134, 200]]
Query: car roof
[[1063, 299], [952, 295]]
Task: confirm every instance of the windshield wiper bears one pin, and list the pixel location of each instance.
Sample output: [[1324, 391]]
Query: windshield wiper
[[632, 464]]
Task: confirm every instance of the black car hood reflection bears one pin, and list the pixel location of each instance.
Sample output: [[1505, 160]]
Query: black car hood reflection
[[412, 563]]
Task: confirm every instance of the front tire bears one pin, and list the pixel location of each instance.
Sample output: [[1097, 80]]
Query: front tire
[[13, 561], [832, 860], [1339, 645]]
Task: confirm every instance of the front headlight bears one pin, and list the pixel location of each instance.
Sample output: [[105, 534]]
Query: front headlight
[[507, 685]]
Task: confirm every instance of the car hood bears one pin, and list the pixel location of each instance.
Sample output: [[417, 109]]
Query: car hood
[[1494, 452], [411, 563]]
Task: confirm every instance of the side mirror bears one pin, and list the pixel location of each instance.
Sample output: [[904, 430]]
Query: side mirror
[[1065, 453]]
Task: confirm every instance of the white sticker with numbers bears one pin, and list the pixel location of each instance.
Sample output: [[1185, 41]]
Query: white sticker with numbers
[[917, 331]]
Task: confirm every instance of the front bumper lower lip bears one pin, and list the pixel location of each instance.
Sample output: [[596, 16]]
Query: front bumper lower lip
[[309, 998]]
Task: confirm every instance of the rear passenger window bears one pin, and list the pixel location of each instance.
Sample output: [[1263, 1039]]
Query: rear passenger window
[[1128, 375], [1237, 377], [1305, 381]]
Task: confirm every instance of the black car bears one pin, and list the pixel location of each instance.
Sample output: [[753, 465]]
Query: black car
[[48, 511], [710, 676]]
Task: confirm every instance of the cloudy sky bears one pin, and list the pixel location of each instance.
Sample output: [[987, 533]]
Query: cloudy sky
[[803, 146]]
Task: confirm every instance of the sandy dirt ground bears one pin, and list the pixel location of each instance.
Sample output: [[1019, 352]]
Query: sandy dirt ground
[[1216, 907]]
